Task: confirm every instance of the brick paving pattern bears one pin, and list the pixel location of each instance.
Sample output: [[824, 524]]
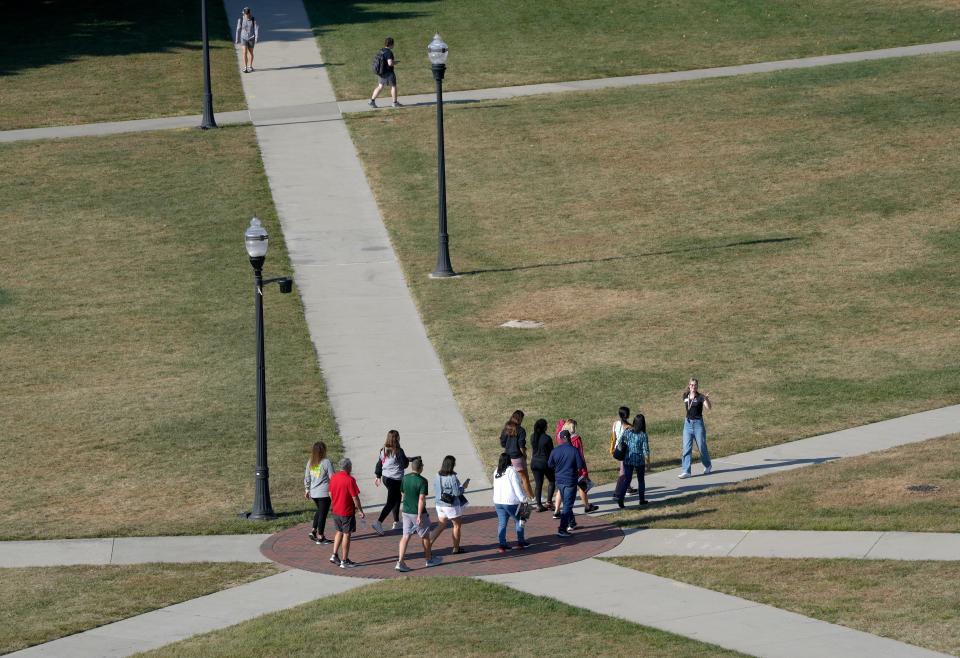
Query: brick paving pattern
[[376, 556]]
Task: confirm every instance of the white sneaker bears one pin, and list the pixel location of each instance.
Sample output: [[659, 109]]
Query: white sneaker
[[402, 568], [683, 476], [377, 527], [434, 561], [708, 470], [397, 525]]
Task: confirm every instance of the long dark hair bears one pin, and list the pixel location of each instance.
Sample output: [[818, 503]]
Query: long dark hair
[[318, 453], [639, 423], [540, 427], [624, 413], [503, 464], [446, 468]]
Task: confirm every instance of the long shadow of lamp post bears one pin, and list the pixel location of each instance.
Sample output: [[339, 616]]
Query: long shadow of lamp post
[[208, 120], [256, 241], [437, 50]]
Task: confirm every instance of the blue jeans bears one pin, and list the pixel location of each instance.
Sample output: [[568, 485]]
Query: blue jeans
[[694, 429], [568, 496], [505, 512]]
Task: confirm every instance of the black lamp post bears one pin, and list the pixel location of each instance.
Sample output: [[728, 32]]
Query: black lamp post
[[208, 120], [437, 50], [256, 241]]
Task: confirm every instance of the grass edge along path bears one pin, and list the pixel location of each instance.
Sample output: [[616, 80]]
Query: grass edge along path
[[547, 196], [915, 487], [86, 61], [913, 602], [406, 611], [46, 603], [536, 45], [134, 290]]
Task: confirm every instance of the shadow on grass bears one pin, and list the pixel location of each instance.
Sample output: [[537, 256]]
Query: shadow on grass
[[60, 31], [325, 15], [644, 521], [664, 252]]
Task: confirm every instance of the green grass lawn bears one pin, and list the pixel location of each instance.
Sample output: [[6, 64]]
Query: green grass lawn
[[405, 615], [128, 354], [859, 493], [790, 239], [85, 61], [43, 604], [913, 602], [497, 43]]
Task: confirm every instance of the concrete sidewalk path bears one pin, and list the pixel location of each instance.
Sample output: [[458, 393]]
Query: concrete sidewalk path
[[132, 550], [864, 545], [701, 614], [380, 369], [497, 93], [733, 469], [202, 615], [867, 545], [120, 127]]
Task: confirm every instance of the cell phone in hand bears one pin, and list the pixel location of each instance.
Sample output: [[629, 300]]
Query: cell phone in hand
[[465, 483]]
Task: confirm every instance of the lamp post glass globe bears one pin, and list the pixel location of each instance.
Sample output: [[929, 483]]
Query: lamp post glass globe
[[256, 239], [437, 50]]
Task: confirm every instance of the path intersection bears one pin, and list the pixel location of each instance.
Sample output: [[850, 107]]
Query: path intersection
[[347, 275]]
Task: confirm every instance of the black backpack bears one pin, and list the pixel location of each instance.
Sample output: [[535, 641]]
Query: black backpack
[[380, 63]]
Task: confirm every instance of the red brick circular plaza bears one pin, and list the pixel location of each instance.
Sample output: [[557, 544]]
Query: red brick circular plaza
[[376, 556]]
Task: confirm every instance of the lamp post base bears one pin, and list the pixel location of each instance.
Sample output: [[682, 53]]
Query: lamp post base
[[444, 275], [250, 516]]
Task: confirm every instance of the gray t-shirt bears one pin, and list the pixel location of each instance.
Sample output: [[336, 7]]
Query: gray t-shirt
[[247, 28], [316, 480]]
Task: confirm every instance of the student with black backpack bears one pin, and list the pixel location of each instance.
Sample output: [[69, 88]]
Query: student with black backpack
[[383, 63]]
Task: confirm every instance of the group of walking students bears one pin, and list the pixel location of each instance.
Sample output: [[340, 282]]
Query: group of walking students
[[562, 465]]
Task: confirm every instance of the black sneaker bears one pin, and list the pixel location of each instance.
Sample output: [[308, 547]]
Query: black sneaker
[[556, 515], [335, 560], [632, 490], [564, 534], [348, 564], [372, 103]]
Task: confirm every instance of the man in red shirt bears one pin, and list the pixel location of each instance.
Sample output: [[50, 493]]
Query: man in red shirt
[[344, 502]]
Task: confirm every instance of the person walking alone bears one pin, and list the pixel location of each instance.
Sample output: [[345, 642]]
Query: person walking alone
[[694, 402], [391, 464], [385, 73], [636, 458], [316, 486], [248, 34], [416, 519], [345, 502]]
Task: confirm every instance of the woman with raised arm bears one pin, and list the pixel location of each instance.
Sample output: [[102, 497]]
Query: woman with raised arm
[[694, 402]]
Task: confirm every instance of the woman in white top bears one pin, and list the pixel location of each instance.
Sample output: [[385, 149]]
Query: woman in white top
[[449, 501], [508, 493]]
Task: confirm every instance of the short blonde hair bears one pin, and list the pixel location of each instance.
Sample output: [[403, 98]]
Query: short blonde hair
[[570, 426]]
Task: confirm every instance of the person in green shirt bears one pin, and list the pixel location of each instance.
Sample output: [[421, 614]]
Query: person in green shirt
[[416, 519]]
